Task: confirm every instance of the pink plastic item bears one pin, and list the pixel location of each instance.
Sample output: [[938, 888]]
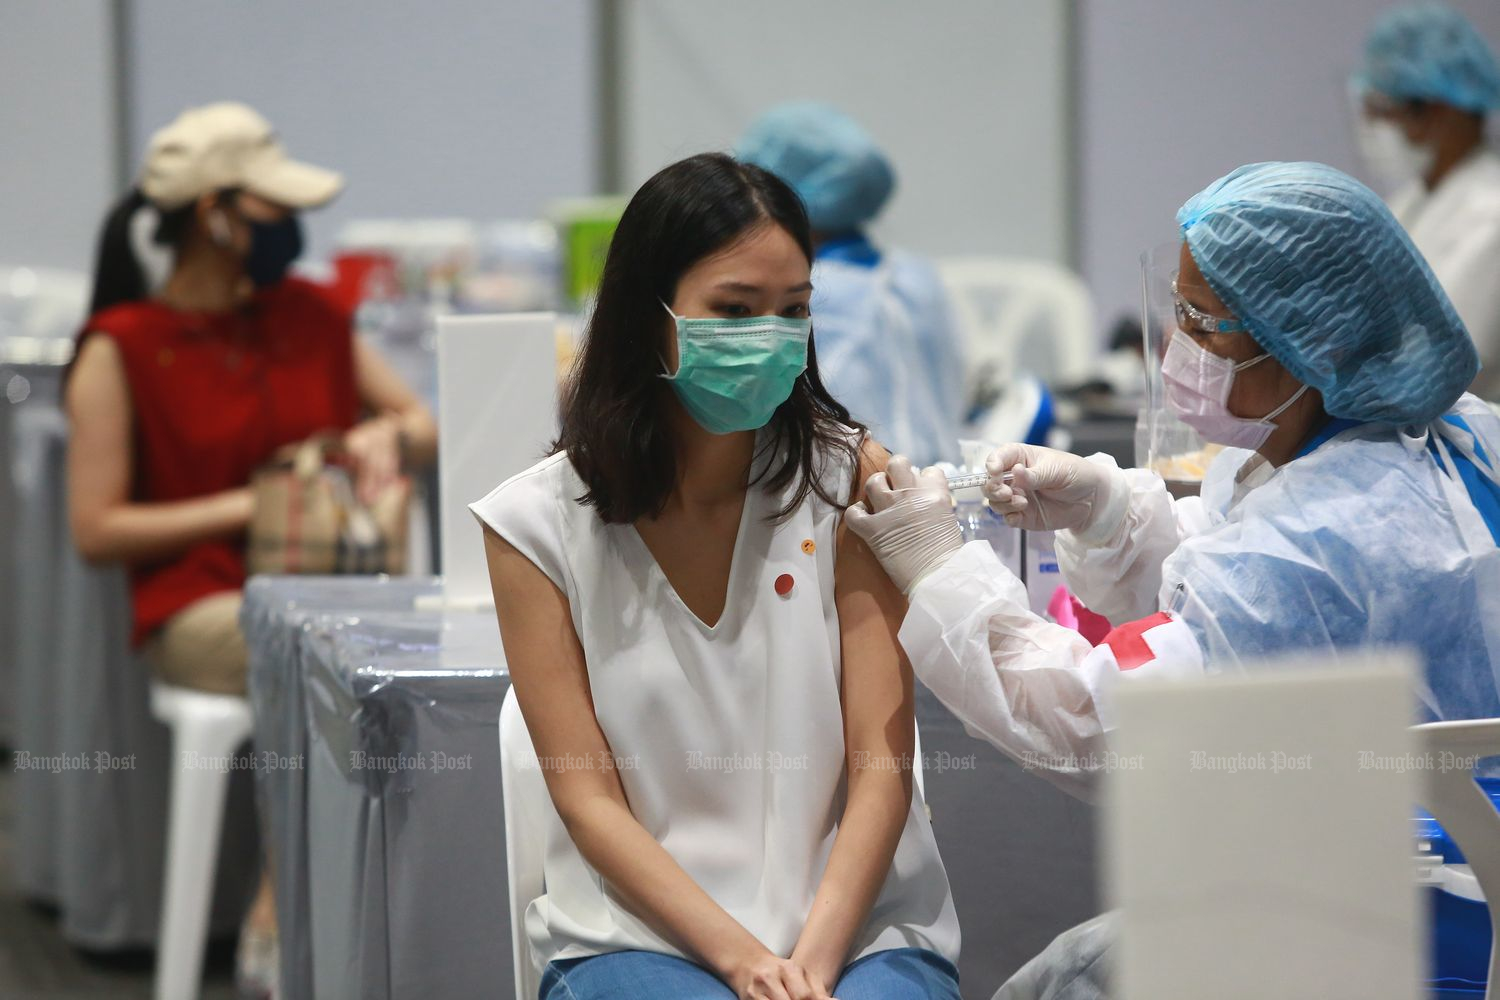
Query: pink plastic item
[[1069, 612]]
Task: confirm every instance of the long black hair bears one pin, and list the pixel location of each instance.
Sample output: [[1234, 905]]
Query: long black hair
[[118, 276], [615, 409]]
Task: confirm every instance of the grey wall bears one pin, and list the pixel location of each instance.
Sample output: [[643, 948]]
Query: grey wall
[[1175, 93], [967, 96], [57, 157], [470, 108]]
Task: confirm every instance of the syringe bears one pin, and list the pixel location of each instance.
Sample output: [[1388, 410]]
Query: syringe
[[968, 480], [965, 480]]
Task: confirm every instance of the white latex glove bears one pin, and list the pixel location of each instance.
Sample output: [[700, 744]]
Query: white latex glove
[[907, 519], [1052, 490]]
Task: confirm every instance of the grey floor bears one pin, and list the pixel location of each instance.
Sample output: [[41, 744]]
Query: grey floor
[[37, 964]]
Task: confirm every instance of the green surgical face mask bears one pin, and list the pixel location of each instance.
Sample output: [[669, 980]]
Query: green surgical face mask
[[733, 373]]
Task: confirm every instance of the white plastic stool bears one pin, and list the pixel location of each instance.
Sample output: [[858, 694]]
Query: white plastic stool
[[206, 730]]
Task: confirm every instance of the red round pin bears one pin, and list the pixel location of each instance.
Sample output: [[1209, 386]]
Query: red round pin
[[784, 584]]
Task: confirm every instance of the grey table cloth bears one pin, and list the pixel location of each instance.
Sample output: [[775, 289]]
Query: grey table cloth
[[405, 860], [278, 616]]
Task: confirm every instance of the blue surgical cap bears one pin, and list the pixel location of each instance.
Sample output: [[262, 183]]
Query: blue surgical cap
[[834, 165], [1430, 53], [1327, 281]]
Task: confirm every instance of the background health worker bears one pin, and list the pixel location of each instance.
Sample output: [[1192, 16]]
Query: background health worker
[[1316, 344], [887, 345], [1427, 82]]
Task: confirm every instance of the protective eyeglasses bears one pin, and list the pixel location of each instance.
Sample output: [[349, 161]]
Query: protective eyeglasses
[[1194, 320]]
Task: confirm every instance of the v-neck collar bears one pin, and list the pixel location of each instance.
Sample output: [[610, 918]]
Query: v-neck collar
[[749, 519]]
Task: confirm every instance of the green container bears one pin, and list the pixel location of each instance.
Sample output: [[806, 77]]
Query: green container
[[585, 227]]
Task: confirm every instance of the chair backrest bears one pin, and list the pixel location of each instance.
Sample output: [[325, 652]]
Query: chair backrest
[[1019, 316], [1465, 812], [526, 801]]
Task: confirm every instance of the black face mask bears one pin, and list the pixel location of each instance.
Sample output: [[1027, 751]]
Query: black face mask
[[273, 247]]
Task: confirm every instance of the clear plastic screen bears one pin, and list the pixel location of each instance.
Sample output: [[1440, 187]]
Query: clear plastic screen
[[1164, 444]]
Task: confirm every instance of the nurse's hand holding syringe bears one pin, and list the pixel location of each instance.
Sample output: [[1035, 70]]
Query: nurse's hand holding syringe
[[968, 480], [1080, 494]]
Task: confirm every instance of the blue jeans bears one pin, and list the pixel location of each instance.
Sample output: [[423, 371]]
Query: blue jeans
[[898, 974]]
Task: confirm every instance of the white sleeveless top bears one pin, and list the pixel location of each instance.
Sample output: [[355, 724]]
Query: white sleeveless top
[[730, 739]]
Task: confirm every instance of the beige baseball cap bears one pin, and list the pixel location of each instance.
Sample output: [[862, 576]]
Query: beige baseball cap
[[229, 145]]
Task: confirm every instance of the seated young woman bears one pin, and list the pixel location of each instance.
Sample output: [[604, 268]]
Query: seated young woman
[[707, 664]]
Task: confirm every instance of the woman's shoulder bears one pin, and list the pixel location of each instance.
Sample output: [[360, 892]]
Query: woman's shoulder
[[871, 456], [537, 486], [844, 459], [293, 292], [133, 323], [527, 509]]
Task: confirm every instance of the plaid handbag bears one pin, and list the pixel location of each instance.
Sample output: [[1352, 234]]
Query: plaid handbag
[[308, 520]]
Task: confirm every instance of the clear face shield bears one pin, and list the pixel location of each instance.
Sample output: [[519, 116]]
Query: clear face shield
[[1163, 443]]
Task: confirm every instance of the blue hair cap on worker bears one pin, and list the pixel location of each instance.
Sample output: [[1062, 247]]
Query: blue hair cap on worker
[[1429, 52], [1326, 280], [828, 159]]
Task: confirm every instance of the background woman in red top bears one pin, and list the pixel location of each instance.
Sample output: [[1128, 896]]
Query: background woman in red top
[[188, 378]]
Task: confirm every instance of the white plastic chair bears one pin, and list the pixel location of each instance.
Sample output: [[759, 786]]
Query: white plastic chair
[[1465, 812], [1019, 317], [206, 729], [526, 801]]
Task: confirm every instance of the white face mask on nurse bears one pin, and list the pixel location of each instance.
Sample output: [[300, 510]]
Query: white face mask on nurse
[[1218, 381]]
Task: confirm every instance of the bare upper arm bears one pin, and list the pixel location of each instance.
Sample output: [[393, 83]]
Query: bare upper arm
[[876, 676], [873, 458], [549, 674], [100, 446]]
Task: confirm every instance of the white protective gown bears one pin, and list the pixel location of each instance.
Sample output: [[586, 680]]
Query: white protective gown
[[1457, 228], [1373, 539]]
